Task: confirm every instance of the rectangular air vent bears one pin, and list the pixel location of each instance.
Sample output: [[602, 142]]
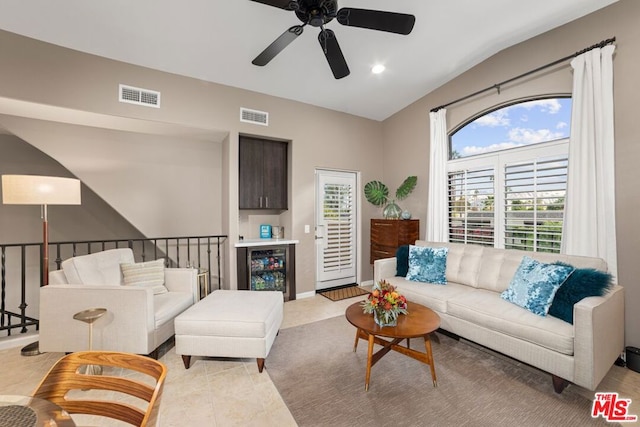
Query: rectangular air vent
[[254, 116], [138, 96]]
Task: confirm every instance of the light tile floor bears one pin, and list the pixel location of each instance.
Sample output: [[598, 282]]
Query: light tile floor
[[213, 392], [221, 393]]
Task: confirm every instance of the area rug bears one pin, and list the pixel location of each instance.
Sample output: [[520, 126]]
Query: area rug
[[321, 381], [344, 293]]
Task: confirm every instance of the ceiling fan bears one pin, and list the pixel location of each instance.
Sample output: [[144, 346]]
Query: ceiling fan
[[317, 13]]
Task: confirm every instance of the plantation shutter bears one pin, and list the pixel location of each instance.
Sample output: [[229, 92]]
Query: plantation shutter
[[534, 195], [339, 252], [471, 202]]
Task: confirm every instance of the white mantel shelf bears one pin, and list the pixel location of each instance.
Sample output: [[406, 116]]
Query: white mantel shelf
[[264, 242]]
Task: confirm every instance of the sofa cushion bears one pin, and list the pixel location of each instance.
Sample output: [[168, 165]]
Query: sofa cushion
[[231, 313], [491, 268], [463, 261], [583, 283], [427, 264], [433, 296], [535, 284], [487, 309], [169, 305], [148, 274], [100, 268]]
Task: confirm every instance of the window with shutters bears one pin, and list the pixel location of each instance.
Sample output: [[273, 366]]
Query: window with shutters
[[507, 176], [338, 212], [471, 197]]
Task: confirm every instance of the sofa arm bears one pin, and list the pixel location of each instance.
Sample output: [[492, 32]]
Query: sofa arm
[[384, 268], [599, 336], [182, 280], [57, 277], [127, 325]]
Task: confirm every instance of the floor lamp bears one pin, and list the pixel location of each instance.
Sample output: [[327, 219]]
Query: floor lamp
[[43, 191]]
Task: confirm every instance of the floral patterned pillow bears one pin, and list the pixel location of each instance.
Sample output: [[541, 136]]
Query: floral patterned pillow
[[427, 264], [535, 284]]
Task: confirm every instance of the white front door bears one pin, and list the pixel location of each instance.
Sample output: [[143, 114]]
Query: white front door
[[335, 228]]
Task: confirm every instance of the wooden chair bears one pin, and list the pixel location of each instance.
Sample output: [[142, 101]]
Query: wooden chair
[[66, 386]]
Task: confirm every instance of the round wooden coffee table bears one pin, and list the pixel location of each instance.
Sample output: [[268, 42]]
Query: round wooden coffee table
[[419, 321]]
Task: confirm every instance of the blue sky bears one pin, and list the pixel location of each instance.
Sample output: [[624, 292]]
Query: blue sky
[[514, 126]]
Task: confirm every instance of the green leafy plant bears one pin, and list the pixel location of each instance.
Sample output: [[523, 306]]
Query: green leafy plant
[[377, 193]]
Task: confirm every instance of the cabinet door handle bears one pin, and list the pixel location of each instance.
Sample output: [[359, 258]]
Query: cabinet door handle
[[266, 201], [260, 201]]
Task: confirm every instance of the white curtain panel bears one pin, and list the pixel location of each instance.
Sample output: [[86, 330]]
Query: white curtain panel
[[437, 217], [589, 223]]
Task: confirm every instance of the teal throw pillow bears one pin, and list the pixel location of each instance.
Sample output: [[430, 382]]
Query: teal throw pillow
[[402, 260], [583, 282], [427, 264], [535, 284]]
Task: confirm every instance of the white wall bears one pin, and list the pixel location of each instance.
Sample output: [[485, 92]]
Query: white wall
[[156, 182]]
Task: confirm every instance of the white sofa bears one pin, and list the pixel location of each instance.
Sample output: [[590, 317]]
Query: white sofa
[[470, 306], [137, 319]]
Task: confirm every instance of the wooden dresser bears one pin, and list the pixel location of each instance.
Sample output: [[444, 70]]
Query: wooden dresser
[[388, 234]]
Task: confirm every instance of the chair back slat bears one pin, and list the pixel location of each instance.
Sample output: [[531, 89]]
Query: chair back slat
[[68, 386], [119, 411]]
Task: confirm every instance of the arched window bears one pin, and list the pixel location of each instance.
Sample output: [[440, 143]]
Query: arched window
[[507, 176]]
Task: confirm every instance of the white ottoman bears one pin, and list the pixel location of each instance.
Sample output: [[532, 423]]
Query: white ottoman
[[230, 324]]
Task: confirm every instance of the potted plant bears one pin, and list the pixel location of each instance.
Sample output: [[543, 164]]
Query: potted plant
[[377, 194], [385, 303]]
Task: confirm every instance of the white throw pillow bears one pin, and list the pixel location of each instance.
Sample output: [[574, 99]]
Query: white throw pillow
[[100, 268], [148, 274]]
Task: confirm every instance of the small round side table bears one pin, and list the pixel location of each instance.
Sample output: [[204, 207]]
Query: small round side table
[[89, 316], [203, 282]]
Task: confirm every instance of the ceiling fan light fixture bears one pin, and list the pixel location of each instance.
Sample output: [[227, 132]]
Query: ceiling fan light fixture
[[378, 69]]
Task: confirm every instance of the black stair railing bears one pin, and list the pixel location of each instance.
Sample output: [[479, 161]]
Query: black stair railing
[[21, 267]]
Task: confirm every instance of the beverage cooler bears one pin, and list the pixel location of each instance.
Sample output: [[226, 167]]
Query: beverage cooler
[[267, 268]]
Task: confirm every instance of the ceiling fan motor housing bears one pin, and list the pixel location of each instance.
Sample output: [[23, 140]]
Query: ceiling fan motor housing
[[316, 12]]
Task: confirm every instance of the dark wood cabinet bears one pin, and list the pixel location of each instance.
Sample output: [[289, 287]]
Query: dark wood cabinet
[[389, 234], [263, 182]]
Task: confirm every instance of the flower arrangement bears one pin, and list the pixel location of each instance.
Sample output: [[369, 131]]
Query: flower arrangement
[[385, 304]]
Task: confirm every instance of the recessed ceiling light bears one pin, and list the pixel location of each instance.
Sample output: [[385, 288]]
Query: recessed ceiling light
[[377, 69]]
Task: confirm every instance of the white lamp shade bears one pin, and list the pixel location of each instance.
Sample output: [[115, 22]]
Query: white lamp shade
[[40, 190]]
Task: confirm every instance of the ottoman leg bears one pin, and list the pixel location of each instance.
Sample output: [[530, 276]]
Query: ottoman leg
[[186, 360], [260, 364]]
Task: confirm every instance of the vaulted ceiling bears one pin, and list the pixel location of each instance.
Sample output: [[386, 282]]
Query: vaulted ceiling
[[216, 41]]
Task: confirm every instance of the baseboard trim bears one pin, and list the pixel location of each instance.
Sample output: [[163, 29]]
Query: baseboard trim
[[18, 341], [303, 295]]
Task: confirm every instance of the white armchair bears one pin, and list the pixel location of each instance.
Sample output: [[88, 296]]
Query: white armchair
[[138, 319]]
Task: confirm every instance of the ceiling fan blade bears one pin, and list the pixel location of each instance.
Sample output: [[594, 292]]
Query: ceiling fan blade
[[282, 4], [399, 23], [278, 45], [333, 53]]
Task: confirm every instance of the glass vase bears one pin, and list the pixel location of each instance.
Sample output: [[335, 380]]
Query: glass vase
[[379, 318], [392, 211]]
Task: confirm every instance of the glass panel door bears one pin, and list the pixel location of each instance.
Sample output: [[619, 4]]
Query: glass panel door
[[268, 267]]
